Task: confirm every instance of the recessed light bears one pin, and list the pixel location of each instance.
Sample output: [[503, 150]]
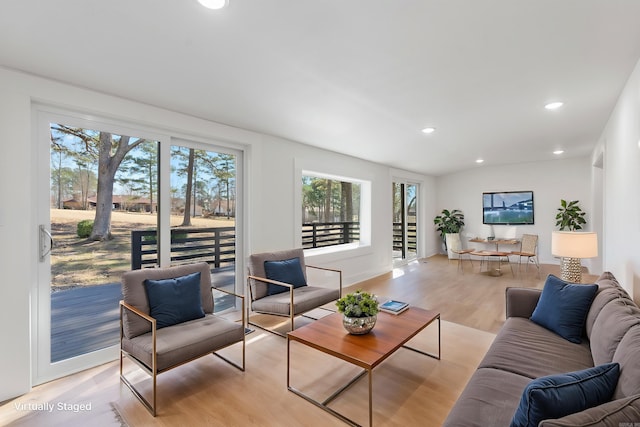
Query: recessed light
[[553, 105], [558, 152], [214, 4], [479, 161], [428, 130]]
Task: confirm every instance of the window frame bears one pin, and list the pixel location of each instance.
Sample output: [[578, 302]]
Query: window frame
[[364, 215], [43, 114]]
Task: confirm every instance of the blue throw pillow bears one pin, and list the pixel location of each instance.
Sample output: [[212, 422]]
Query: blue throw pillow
[[563, 307], [556, 396], [176, 300], [287, 271]]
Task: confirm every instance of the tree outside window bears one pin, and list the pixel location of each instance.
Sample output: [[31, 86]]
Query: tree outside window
[[330, 211]]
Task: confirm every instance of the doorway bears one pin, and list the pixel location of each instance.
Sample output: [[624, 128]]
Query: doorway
[[113, 198], [405, 227]]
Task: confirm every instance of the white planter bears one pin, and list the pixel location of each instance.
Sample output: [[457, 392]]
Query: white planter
[[453, 242]]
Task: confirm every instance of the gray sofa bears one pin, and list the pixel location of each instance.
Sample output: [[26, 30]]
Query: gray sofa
[[523, 351]]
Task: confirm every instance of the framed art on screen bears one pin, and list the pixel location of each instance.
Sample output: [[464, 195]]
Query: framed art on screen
[[507, 208]]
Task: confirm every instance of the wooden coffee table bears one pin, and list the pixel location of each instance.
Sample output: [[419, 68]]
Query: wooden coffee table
[[366, 351]]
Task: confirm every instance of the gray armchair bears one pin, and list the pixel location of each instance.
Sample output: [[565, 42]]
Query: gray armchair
[[184, 327], [277, 283]]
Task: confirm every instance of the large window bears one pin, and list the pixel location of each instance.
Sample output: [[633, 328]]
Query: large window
[[330, 211]]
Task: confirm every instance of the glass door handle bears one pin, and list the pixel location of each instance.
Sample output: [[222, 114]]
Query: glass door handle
[[46, 242]]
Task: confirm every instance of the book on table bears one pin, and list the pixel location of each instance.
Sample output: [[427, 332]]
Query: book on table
[[393, 306]]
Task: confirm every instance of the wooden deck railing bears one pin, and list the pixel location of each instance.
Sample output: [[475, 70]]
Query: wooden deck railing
[[321, 234], [398, 237], [215, 246]]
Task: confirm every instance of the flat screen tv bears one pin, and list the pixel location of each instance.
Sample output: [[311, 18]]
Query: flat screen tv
[[507, 208]]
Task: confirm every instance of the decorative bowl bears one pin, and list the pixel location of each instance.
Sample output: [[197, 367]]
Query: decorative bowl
[[359, 325]]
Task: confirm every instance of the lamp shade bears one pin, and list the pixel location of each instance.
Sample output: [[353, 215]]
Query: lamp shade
[[574, 244]]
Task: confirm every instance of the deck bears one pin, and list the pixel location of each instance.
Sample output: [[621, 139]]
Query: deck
[[87, 319]]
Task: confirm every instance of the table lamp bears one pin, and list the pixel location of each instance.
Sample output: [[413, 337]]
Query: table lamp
[[571, 247]]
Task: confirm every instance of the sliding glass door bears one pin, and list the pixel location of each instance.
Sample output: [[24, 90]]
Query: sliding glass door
[[115, 198], [405, 214]]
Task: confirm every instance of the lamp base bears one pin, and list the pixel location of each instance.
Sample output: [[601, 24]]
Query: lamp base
[[571, 270]]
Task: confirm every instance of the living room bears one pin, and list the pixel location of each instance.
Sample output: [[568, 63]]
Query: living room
[[604, 178]]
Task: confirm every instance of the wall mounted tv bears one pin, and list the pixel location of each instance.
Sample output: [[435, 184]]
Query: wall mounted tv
[[507, 208]]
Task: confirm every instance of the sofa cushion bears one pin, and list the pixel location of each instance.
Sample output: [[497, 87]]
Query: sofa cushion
[[617, 413], [628, 356], [489, 399], [608, 290], [528, 349], [563, 307], [286, 271], [185, 341], [612, 323], [559, 395], [304, 299], [174, 300]]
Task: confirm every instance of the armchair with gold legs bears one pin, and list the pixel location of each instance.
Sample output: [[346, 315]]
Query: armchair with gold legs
[[277, 283], [167, 319]]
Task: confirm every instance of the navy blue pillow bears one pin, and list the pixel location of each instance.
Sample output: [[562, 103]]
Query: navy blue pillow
[[287, 271], [563, 307], [556, 396], [176, 300]]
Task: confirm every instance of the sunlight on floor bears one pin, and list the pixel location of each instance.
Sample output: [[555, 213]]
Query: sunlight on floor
[[402, 269], [398, 272]]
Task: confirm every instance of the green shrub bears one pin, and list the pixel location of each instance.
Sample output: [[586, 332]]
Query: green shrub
[[150, 238], [179, 235], [84, 228]]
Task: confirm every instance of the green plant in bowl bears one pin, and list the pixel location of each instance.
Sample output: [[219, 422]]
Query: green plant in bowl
[[358, 304]]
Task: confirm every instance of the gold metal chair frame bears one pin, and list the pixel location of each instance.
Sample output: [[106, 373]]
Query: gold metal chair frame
[[291, 315], [153, 370]]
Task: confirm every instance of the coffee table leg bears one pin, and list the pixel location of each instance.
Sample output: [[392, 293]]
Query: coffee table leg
[[323, 405], [288, 358], [430, 354], [370, 398]]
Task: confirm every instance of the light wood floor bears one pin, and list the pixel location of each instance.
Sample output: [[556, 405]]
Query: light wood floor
[[409, 389]]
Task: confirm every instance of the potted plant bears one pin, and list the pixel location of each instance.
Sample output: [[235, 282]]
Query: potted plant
[[449, 222], [359, 310], [570, 216]]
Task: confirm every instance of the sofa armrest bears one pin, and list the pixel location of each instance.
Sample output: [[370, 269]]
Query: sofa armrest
[[520, 302], [621, 412]]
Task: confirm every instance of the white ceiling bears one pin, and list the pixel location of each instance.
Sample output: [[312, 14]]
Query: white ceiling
[[360, 77]]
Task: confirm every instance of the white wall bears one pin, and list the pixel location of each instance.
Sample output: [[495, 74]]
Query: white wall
[[620, 142], [568, 179], [275, 213], [17, 248], [269, 199]]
